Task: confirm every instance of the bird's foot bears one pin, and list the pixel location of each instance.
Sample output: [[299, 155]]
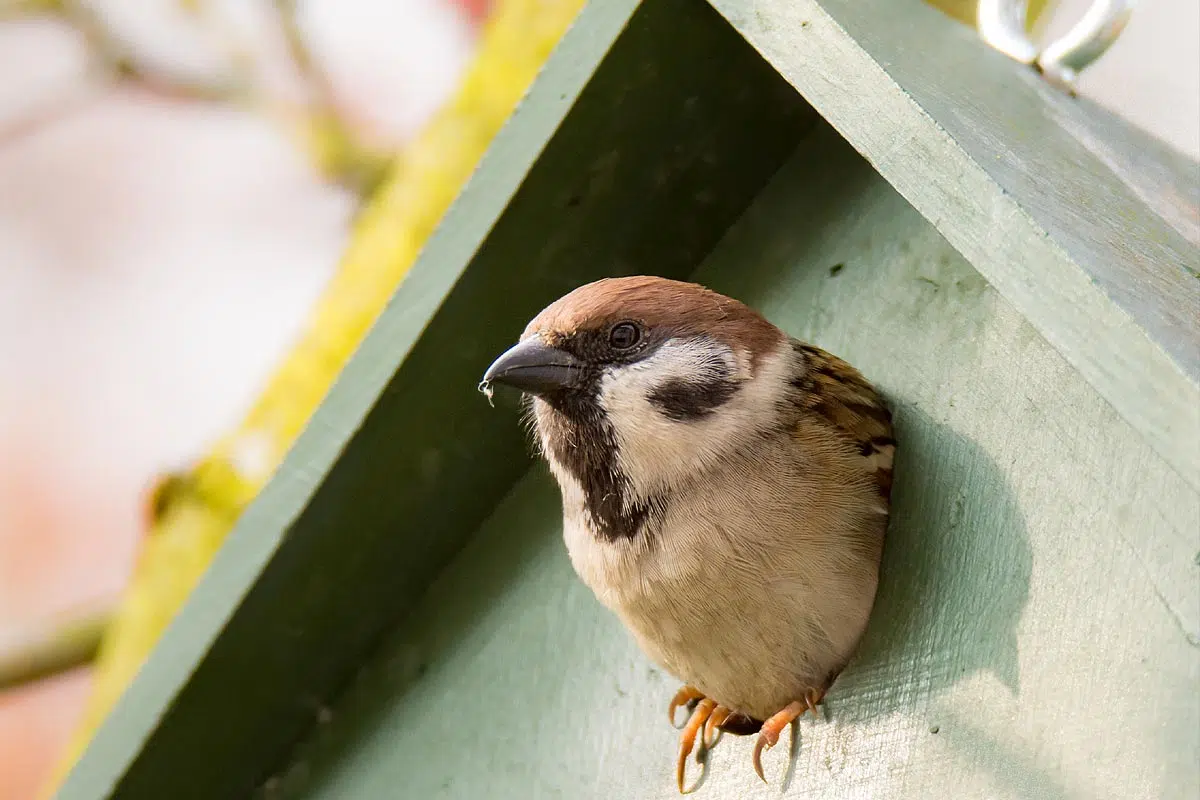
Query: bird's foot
[[687, 696], [687, 740], [712, 727], [768, 736], [708, 720]]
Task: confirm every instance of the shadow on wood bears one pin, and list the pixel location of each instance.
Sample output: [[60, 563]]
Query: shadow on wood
[[955, 575]]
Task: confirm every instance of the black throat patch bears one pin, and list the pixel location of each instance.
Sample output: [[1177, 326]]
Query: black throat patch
[[582, 441]]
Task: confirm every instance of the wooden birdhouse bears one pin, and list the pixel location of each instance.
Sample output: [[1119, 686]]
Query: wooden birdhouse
[[1017, 269]]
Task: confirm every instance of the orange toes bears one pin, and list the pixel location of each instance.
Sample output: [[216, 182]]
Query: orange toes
[[684, 696], [708, 720], [687, 739], [712, 728], [769, 735]]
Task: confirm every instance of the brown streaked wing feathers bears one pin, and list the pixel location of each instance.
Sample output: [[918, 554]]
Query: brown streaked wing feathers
[[838, 393]]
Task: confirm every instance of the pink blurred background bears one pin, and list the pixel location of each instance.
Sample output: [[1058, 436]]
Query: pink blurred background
[[157, 256]]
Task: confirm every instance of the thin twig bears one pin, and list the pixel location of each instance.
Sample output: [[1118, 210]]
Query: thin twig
[[321, 87], [65, 646], [339, 149], [116, 59]]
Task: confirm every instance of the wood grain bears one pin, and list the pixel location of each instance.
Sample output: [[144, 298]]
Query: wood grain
[[1037, 629], [1057, 205]]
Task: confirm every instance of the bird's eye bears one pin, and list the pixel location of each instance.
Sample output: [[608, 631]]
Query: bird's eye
[[624, 336]]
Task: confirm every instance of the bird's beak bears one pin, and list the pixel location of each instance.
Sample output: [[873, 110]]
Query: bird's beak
[[534, 368]]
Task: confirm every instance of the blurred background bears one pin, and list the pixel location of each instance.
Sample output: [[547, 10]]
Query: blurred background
[[171, 207]]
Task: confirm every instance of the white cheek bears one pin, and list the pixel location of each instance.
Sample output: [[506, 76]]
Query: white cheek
[[624, 390], [656, 451]]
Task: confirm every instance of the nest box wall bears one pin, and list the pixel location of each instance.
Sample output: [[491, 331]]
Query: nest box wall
[[395, 615]]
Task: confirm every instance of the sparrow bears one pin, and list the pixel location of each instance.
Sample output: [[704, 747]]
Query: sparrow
[[725, 491]]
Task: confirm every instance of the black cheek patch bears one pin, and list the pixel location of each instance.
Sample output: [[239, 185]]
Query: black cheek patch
[[685, 401]]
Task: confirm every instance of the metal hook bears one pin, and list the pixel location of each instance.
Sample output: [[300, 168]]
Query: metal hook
[[1001, 25]]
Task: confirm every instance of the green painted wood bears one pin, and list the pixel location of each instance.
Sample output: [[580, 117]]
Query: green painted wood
[[1090, 229], [1040, 607], [403, 460], [1037, 633]]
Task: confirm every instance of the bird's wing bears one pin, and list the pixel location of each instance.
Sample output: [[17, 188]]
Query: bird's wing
[[838, 393]]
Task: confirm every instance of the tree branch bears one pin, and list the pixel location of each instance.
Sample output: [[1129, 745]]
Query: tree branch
[[40, 654]]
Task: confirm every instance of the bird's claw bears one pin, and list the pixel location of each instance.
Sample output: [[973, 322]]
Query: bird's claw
[[712, 728], [687, 696], [764, 742], [768, 736], [687, 740], [707, 719]]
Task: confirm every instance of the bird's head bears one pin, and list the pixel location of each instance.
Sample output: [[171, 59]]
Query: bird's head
[[639, 383]]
